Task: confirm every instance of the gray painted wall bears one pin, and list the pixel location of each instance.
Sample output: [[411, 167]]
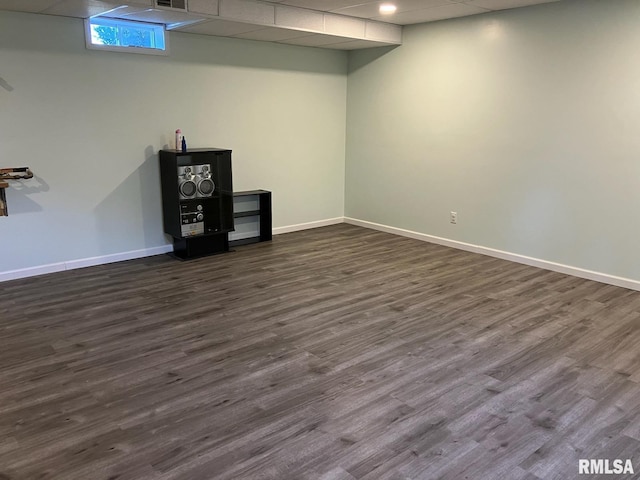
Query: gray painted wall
[[90, 125], [526, 122]]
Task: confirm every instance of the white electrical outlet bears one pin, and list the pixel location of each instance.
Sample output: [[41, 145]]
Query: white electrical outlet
[[453, 218]]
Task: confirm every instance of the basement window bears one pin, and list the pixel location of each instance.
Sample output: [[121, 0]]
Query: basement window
[[116, 35]]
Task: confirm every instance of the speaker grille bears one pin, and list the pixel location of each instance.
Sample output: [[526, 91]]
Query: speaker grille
[[188, 188], [206, 187]]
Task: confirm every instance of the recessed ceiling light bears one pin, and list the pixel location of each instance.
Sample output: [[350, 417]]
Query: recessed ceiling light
[[387, 8]]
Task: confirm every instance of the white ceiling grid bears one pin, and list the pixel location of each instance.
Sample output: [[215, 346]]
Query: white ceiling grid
[[337, 24]]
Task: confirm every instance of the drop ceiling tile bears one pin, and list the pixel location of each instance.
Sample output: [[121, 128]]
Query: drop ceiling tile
[[270, 34], [142, 3], [33, 6], [221, 28], [346, 26], [299, 18], [326, 5], [315, 40], [432, 14], [504, 4], [371, 10], [159, 16], [208, 7], [79, 8], [383, 32], [248, 11], [366, 10], [356, 45]]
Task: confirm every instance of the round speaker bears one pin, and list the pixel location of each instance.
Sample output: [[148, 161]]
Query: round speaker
[[188, 188], [206, 186]]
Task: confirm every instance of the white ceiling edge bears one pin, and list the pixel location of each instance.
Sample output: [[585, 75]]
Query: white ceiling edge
[[341, 31], [265, 14], [282, 21]]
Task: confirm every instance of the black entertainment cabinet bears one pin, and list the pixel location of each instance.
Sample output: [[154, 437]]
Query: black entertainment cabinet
[[197, 200]]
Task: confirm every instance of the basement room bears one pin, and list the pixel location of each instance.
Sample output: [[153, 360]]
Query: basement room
[[319, 239]]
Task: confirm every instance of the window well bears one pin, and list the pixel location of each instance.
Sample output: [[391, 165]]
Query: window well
[[105, 33]]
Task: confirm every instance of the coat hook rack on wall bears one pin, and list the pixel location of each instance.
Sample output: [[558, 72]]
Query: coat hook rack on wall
[[16, 173]]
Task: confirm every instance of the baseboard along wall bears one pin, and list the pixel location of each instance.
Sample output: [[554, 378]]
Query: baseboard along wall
[[534, 262], [513, 257]]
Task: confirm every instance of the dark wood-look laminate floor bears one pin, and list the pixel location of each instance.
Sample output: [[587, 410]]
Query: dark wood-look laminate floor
[[338, 353]]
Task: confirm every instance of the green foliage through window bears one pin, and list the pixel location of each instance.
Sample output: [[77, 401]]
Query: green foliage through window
[[106, 35], [114, 33]]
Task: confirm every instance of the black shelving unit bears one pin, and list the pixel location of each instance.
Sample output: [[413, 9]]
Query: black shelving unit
[[197, 204], [252, 217]]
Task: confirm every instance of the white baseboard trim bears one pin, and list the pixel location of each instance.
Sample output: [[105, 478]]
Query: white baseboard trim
[[31, 271], [308, 225], [118, 257], [82, 263], [147, 252], [514, 257]]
